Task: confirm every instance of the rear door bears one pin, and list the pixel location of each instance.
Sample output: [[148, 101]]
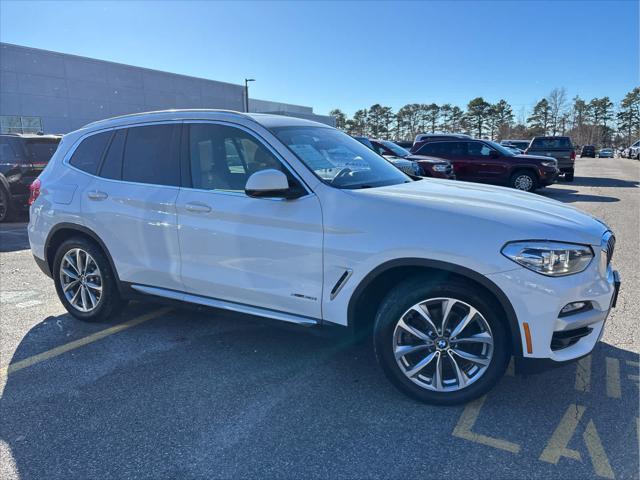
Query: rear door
[[131, 203]]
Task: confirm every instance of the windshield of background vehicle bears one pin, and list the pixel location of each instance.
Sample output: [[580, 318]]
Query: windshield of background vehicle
[[551, 143], [396, 149], [502, 149], [41, 151], [337, 159]]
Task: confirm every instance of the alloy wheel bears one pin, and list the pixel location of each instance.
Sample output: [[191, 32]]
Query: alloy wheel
[[523, 182], [81, 280], [443, 344]]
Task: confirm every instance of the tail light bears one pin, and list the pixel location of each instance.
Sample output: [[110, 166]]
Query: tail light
[[573, 154], [34, 191]]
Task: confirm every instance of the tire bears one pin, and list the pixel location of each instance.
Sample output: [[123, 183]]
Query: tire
[[103, 302], [524, 180], [478, 379], [568, 177], [6, 207]]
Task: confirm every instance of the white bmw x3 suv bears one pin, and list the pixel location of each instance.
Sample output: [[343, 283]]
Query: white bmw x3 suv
[[296, 221]]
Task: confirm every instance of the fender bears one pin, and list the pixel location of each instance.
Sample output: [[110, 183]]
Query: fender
[[448, 267], [85, 231]]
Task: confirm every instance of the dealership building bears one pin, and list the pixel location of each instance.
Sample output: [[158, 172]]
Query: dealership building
[[49, 92]]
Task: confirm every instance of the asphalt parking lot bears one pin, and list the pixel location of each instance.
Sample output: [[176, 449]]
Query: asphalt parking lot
[[167, 392]]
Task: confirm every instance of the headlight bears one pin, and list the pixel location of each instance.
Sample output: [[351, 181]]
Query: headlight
[[550, 163], [554, 259], [440, 168]]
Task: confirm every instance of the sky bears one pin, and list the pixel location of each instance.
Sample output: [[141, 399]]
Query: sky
[[350, 55]]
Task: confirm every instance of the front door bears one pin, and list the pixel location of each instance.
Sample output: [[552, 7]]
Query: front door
[[263, 252]]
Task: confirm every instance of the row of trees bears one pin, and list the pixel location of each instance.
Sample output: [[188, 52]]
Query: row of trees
[[597, 121]]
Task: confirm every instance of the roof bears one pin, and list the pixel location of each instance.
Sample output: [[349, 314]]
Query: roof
[[266, 120]]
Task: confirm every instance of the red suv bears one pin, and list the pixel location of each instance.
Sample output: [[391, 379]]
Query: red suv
[[488, 162], [431, 167]]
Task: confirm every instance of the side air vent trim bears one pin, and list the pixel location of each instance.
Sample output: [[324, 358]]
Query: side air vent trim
[[340, 283]]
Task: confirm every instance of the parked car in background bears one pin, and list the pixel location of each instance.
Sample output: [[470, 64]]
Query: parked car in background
[[450, 280], [588, 151], [559, 148], [22, 158], [430, 166], [423, 138], [520, 144], [634, 150], [606, 153], [407, 166], [489, 162]]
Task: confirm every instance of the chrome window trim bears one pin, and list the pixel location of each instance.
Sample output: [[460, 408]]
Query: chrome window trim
[[71, 151], [264, 143], [290, 169]]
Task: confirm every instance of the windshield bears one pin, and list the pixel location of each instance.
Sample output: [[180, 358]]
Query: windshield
[[396, 149], [337, 159], [501, 149], [41, 151]]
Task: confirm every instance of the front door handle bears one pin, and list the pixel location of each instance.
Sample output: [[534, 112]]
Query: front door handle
[[96, 195], [197, 207]]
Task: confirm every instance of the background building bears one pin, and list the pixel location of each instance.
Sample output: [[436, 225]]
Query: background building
[[57, 93]]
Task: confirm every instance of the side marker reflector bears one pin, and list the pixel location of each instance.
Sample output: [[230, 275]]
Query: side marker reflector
[[527, 336]]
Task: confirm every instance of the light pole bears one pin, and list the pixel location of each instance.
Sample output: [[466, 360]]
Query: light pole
[[246, 93]]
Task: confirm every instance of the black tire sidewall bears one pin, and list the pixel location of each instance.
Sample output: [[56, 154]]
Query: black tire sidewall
[[8, 204], [413, 291], [110, 301]]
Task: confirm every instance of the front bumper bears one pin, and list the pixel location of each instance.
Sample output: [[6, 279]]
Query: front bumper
[[537, 300]]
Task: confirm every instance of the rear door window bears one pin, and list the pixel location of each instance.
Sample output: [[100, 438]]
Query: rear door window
[[89, 153], [151, 155]]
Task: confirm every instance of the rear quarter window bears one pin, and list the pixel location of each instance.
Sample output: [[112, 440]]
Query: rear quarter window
[[89, 153]]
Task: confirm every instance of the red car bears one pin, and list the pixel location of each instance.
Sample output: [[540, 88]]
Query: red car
[[431, 167], [488, 162]]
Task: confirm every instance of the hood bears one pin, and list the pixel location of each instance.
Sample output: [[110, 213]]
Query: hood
[[509, 213], [426, 159], [398, 160]]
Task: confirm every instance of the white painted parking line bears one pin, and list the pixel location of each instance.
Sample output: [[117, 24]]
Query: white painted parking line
[[583, 375], [613, 378]]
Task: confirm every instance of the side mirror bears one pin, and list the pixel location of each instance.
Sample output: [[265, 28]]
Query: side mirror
[[270, 183]]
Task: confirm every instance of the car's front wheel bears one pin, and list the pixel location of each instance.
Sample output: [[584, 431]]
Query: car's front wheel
[[526, 181], [441, 342], [85, 282]]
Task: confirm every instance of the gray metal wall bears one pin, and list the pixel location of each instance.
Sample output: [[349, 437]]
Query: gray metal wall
[[68, 91]]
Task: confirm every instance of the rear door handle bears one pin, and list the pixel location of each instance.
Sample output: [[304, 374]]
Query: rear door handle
[[197, 207], [96, 195]]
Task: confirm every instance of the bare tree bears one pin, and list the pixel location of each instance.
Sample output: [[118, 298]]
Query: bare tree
[[557, 101]]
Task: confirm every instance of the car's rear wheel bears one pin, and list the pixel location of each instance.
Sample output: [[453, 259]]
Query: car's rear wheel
[[441, 343], [568, 177], [524, 180], [85, 282]]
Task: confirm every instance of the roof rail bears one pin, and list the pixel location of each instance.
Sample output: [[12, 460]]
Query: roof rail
[[170, 110]]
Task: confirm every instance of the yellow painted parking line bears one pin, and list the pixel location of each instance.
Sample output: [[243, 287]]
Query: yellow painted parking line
[[54, 352], [557, 445], [468, 420], [613, 378], [599, 459], [583, 375]]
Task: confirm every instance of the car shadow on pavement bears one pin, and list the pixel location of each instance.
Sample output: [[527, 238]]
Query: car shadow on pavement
[[604, 182], [569, 196], [13, 237], [201, 394]]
